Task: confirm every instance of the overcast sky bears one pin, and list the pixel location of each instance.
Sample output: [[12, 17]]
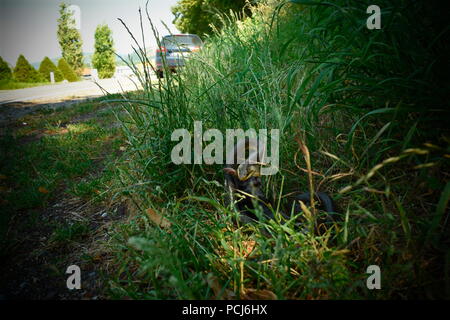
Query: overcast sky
[[29, 27]]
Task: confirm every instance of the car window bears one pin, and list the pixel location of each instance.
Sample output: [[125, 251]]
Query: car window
[[181, 41]]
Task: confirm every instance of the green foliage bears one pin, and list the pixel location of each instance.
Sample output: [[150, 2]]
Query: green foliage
[[69, 39], [67, 71], [12, 85], [48, 66], [104, 59], [195, 16], [5, 70], [370, 105], [50, 161], [24, 71], [68, 233]]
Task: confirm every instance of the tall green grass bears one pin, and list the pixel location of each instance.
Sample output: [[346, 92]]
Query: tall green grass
[[370, 106]]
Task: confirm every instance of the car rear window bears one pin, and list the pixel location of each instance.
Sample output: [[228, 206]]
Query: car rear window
[[181, 40]]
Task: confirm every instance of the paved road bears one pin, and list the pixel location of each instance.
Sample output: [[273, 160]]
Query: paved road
[[64, 91]]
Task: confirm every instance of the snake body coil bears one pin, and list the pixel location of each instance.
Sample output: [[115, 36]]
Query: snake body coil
[[247, 195]]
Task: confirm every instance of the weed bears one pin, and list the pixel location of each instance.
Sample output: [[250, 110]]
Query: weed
[[360, 102]]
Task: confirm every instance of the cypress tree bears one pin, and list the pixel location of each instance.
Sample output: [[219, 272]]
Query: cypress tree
[[24, 71], [67, 71], [103, 59], [69, 39], [5, 70], [48, 66]]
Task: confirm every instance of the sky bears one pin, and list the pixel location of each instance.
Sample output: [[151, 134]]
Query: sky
[[29, 27]]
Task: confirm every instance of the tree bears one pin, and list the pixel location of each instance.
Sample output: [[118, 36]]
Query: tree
[[67, 72], [24, 71], [195, 16], [104, 60], [69, 39], [48, 66], [5, 70]]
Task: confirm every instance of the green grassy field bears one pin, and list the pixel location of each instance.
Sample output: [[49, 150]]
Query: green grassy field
[[364, 109], [11, 85], [47, 152], [53, 162], [368, 105]]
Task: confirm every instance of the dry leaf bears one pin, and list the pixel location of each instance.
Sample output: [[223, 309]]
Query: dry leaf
[[122, 148], [158, 219], [2, 177], [247, 248], [338, 252], [219, 293], [254, 294], [43, 190], [55, 132]]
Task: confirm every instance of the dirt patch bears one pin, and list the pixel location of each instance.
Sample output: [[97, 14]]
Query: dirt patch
[[67, 230], [12, 111], [37, 134], [36, 265]]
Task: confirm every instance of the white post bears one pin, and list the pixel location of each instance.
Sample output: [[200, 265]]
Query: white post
[[94, 74], [52, 77]]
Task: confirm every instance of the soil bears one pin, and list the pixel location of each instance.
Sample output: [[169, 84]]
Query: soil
[[15, 110], [34, 263]]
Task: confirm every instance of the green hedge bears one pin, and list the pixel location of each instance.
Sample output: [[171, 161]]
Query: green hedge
[[48, 66], [67, 72], [24, 71], [5, 70]]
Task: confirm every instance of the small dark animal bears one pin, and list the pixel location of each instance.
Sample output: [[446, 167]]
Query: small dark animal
[[246, 189]]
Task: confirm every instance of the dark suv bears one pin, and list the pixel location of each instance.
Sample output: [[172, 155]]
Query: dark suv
[[175, 48]]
